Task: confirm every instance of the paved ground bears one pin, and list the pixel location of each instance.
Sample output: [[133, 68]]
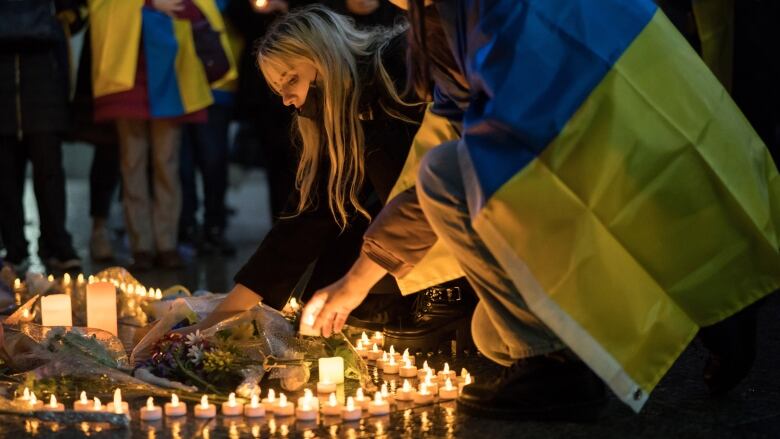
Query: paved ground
[[679, 407]]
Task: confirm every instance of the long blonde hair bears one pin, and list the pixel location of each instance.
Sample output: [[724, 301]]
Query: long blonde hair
[[333, 45]]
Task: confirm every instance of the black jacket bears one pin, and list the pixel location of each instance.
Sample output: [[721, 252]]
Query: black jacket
[[294, 243]]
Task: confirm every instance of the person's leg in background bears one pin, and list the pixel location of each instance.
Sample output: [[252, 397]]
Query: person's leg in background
[[12, 167], [103, 180], [188, 225], [133, 162], [541, 376], [166, 140], [55, 244]]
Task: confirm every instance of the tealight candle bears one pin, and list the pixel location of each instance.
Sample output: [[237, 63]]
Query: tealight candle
[[158, 294], [381, 361], [462, 376], [466, 382], [430, 384], [175, 408], [379, 406], [448, 391], [80, 279], [284, 408], [97, 406], [405, 393], [231, 407], [332, 407], [361, 400], [422, 373], [118, 406], [25, 395], [378, 338], [374, 353], [407, 370], [54, 406], [406, 356], [66, 280], [151, 412], [361, 349], [305, 411], [205, 410], [364, 339], [50, 278], [91, 279], [395, 354], [308, 398], [350, 412], [386, 394], [446, 373], [391, 367], [270, 402], [33, 403], [83, 404], [423, 396], [254, 409], [326, 386], [17, 284]]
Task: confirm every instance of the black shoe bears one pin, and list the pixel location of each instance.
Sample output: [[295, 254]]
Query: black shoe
[[69, 262], [553, 387], [214, 241], [440, 314], [377, 310], [732, 346]]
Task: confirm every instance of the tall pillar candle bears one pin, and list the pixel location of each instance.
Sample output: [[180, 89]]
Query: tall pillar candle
[[55, 310], [331, 370], [101, 307]]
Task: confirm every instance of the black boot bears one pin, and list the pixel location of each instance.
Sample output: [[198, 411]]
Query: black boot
[[440, 314], [732, 346], [377, 310], [553, 387]]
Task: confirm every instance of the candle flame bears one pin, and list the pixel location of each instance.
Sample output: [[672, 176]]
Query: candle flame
[[158, 294], [232, 399], [375, 348], [392, 350], [446, 368], [26, 313], [463, 372], [80, 278], [17, 284], [97, 405], [117, 397], [83, 397], [332, 400], [364, 337], [384, 356], [261, 3], [53, 402], [150, 403], [33, 398], [91, 279], [350, 404], [294, 305], [467, 380], [174, 400], [425, 365], [378, 398], [66, 279], [26, 393], [50, 278], [131, 289], [377, 334], [123, 286], [359, 394], [204, 401], [282, 400], [448, 384], [254, 401], [406, 387], [359, 345], [271, 395]]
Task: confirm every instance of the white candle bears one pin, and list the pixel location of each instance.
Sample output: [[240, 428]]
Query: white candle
[[448, 391], [422, 373], [55, 310], [117, 405], [391, 367], [466, 381], [361, 400], [151, 412], [379, 406], [326, 387], [331, 369], [25, 396], [83, 404], [204, 410], [405, 393], [175, 408], [33, 403], [254, 409], [446, 373], [332, 407], [406, 356], [97, 406], [386, 394], [80, 279], [350, 412], [53, 405], [374, 353], [305, 411], [284, 407], [231, 407], [431, 384], [378, 338], [423, 396], [308, 398], [407, 370], [66, 280], [270, 402], [381, 361], [361, 349], [101, 307]]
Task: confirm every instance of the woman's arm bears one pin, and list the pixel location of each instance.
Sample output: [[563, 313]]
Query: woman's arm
[[237, 301]]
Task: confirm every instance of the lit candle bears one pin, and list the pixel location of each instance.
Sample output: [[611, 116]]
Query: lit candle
[[204, 410], [151, 412], [131, 289], [326, 387], [66, 280], [423, 396], [392, 352], [284, 408], [379, 406], [158, 294], [80, 279], [25, 395], [361, 349], [101, 307], [405, 393], [270, 402], [91, 279], [55, 310], [350, 412], [406, 356], [140, 291], [446, 374], [422, 373], [360, 399], [97, 406], [83, 404], [308, 397], [54, 406], [50, 278], [431, 384], [332, 407], [364, 339], [231, 407], [261, 3], [466, 382], [17, 285], [254, 409], [175, 408], [331, 369], [391, 367], [407, 370], [386, 394], [374, 353], [381, 361], [378, 338], [123, 287], [305, 411], [117, 405], [448, 391], [33, 403]]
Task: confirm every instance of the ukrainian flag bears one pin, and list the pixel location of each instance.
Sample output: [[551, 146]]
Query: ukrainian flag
[[615, 179], [177, 82]]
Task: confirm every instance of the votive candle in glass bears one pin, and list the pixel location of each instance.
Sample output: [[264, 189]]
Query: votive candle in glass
[[351, 412], [175, 407], [405, 393], [204, 410], [82, 404], [423, 396], [284, 407], [53, 405], [254, 409], [332, 407], [231, 407], [151, 412], [448, 391], [407, 370]]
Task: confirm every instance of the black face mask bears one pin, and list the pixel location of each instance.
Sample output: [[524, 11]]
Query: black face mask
[[312, 106]]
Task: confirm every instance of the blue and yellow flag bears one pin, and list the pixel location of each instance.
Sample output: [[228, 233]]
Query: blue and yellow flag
[[614, 178], [177, 82]]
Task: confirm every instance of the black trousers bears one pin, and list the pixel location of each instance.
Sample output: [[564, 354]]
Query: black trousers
[[103, 180], [44, 150]]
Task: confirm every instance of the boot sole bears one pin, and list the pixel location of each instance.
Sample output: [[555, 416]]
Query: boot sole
[[581, 412], [458, 330]]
